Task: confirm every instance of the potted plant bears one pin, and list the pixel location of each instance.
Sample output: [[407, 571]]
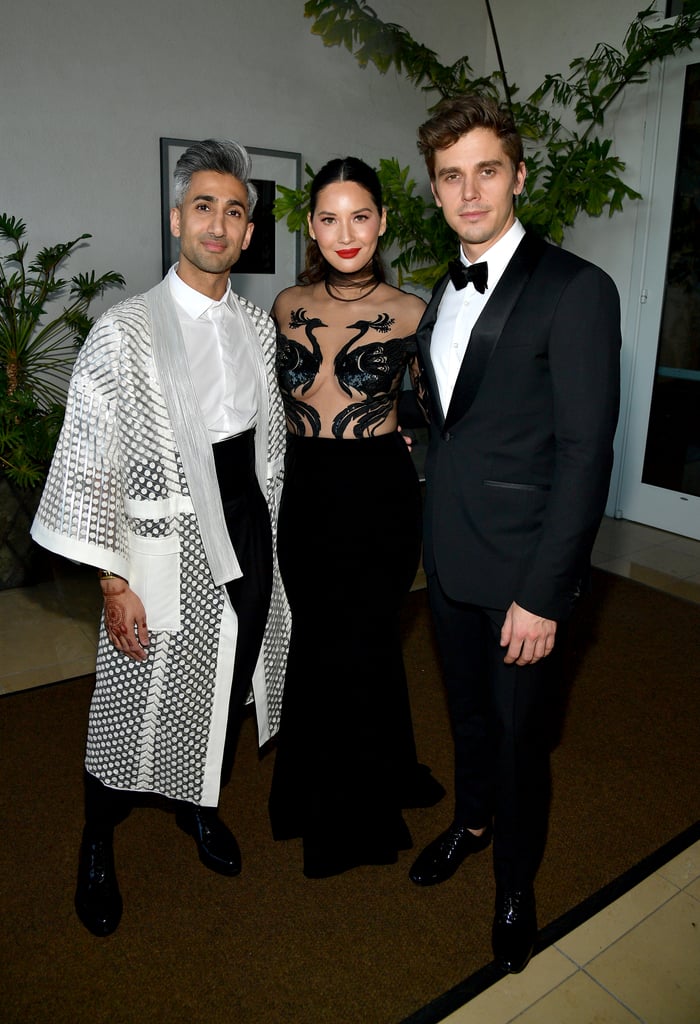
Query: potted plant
[[38, 345]]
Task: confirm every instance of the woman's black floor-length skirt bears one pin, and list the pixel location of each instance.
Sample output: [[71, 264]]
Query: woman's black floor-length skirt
[[349, 545]]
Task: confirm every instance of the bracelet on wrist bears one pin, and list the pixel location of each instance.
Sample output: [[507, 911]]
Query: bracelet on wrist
[[105, 574]]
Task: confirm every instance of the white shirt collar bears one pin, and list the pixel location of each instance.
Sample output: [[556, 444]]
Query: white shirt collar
[[193, 302], [499, 255]]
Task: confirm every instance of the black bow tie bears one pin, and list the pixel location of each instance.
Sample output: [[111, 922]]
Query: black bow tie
[[460, 275]]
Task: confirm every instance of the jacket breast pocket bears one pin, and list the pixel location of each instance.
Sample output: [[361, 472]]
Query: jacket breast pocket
[[154, 574], [507, 485]]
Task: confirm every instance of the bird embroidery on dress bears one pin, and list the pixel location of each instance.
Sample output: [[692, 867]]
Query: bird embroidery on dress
[[373, 370], [297, 368]]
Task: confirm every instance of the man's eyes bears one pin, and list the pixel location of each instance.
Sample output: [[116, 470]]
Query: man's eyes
[[233, 211], [485, 172]]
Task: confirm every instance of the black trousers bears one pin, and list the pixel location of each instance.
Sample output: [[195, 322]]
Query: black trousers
[[501, 724], [248, 524]]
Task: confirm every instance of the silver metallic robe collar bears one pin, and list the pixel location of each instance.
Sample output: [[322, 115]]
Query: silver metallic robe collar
[[191, 435]]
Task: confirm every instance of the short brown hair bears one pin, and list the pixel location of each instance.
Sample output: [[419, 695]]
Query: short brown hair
[[457, 116]]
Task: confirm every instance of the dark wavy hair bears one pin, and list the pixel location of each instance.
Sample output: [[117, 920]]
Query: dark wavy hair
[[348, 168], [458, 115]]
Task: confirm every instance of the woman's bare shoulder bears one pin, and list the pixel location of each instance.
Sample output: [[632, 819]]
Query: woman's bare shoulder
[[290, 298], [407, 308]]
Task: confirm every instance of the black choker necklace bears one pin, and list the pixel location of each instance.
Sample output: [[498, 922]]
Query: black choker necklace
[[343, 282], [356, 298]]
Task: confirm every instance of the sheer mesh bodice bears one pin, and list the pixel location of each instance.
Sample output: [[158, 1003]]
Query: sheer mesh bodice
[[341, 382]]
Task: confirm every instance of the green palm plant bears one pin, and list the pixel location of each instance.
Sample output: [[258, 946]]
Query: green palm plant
[[38, 347]]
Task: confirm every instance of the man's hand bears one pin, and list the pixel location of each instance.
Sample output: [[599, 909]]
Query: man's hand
[[125, 619], [528, 637]]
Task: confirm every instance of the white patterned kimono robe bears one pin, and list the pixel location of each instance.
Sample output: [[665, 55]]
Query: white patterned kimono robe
[[132, 488]]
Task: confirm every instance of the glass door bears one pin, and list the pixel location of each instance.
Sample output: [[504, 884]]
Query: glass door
[[660, 480]]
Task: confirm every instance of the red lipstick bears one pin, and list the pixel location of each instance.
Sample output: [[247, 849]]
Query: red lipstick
[[346, 254]]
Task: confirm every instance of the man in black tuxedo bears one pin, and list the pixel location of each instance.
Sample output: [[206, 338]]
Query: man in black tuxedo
[[520, 351]]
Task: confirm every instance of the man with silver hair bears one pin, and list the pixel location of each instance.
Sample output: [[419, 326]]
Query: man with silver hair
[[166, 478]]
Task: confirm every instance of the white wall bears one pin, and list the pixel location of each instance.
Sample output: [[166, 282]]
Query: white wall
[[89, 87]]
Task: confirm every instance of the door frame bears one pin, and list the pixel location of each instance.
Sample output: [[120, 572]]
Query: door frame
[[645, 503]]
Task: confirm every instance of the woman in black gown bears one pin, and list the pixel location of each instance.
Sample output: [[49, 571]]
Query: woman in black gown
[[349, 539]]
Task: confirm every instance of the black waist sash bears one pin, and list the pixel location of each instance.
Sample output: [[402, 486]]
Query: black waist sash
[[234, 459]]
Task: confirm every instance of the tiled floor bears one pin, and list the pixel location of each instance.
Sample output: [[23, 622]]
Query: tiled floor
[[48, 632], [637, 960], [662, 560]]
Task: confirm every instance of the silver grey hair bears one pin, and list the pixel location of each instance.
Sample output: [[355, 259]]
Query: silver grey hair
[[220, 155]]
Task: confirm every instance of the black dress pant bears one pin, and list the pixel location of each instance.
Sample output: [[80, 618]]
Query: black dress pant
[[501, 724], [248, 524]]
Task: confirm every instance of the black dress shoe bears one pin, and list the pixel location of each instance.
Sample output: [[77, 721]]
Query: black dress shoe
[[441, 858], [98, 902], [514, 929], [216, 845]]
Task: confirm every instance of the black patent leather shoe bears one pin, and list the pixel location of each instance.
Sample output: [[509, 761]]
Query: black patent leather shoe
[[216, 845], [514, 929], [98, 902], [441, 858]]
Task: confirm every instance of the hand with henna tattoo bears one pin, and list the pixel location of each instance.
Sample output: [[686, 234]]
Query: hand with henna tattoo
[[125, 619]]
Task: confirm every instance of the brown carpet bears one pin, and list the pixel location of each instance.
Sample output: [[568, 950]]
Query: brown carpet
[[367, 947]]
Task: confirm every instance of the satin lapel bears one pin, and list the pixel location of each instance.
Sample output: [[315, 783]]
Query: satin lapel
[[489, 327], [424, 333]]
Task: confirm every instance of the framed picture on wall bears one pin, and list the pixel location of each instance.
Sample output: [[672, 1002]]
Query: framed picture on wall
[[273, 259]]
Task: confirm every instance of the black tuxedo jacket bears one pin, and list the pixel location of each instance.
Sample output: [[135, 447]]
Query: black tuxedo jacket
[[518, 467]]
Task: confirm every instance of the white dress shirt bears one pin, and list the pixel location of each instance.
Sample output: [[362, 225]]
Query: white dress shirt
[[459, 311], [221, 363]]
